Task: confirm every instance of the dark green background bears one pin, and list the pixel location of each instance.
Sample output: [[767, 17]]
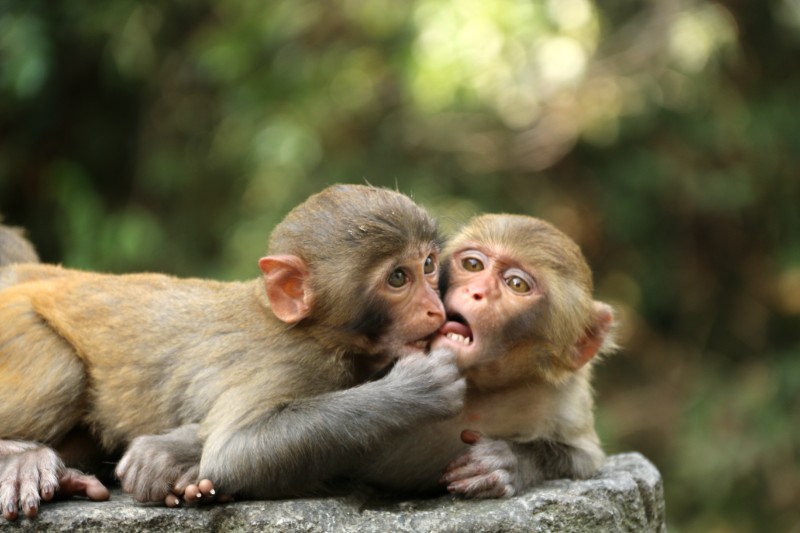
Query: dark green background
[[664, 136]]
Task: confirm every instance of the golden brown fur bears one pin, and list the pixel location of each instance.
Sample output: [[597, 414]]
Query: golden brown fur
[[249, 374], [528, 414]]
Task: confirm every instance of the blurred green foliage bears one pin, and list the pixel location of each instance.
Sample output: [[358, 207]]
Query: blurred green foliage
[[664, 136]]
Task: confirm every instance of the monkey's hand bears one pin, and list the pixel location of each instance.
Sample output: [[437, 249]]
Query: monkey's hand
[[31, 473], [432, 384], [165, 468], [487, 470]]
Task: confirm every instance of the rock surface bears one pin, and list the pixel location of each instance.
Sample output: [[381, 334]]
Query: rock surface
[[625, 495]]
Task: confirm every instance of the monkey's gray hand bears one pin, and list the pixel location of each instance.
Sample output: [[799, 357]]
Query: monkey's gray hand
[[487, 470], [159, 467], [431, 385]]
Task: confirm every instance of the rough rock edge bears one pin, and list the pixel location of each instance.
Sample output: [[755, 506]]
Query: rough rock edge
[[626, 495]]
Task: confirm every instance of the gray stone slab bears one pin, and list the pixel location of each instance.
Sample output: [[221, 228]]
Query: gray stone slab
[[626, 495]]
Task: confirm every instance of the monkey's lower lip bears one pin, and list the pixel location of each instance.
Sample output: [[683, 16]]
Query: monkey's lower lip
[[457, 331]]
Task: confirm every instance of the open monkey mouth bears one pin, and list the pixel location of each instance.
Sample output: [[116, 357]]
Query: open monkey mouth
[[457, 330]]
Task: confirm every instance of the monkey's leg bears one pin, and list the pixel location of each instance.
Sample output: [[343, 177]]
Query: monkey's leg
[[575, 458], [42, 387]]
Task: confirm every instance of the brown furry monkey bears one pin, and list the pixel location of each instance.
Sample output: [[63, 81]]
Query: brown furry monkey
[[260, 375], [525, 330]]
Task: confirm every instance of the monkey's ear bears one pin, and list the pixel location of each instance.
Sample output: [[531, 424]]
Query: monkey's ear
[[286, 281], [596, 335]]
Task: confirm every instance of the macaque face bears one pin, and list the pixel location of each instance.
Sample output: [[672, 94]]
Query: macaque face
[[408, 286], [487, 289]]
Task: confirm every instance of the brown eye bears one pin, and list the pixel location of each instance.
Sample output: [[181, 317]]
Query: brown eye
[[471, 264], [518, 284], [430, 265], [397, 278]]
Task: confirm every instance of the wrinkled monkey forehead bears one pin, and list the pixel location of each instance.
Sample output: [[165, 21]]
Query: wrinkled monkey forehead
[[527, 240], [379, 239]]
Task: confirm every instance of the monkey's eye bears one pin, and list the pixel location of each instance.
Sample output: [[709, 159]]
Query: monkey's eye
[[430, 265], [518, 284], [472, 264], [397, 278]]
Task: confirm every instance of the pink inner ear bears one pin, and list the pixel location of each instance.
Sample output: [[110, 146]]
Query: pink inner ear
[[593, 338], [285, 281]]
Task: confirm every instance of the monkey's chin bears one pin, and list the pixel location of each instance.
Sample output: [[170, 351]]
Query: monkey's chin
[[420, 346]]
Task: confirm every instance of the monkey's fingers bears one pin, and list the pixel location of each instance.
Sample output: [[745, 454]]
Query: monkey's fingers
[[462, 468], [454, 465], [204, 489], [204, 492], [75, 483], [171, 500], [185, 480], [192, 493], [10, 506], [496, 484], [29, 498], [186, 491]]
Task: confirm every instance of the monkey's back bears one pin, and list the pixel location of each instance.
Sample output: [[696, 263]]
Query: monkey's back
[[160, 351]]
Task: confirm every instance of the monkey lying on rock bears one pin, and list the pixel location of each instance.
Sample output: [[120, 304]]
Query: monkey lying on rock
[[525, 330], [255, 383]]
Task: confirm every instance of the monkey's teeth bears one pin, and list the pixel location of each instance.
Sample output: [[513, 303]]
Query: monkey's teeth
[[459, 338]]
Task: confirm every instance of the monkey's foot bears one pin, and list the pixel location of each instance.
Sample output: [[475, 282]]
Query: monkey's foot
[[31, 473]]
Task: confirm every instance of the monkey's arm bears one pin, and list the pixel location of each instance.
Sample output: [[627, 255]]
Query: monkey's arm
[[499, 468], [298, 446]]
